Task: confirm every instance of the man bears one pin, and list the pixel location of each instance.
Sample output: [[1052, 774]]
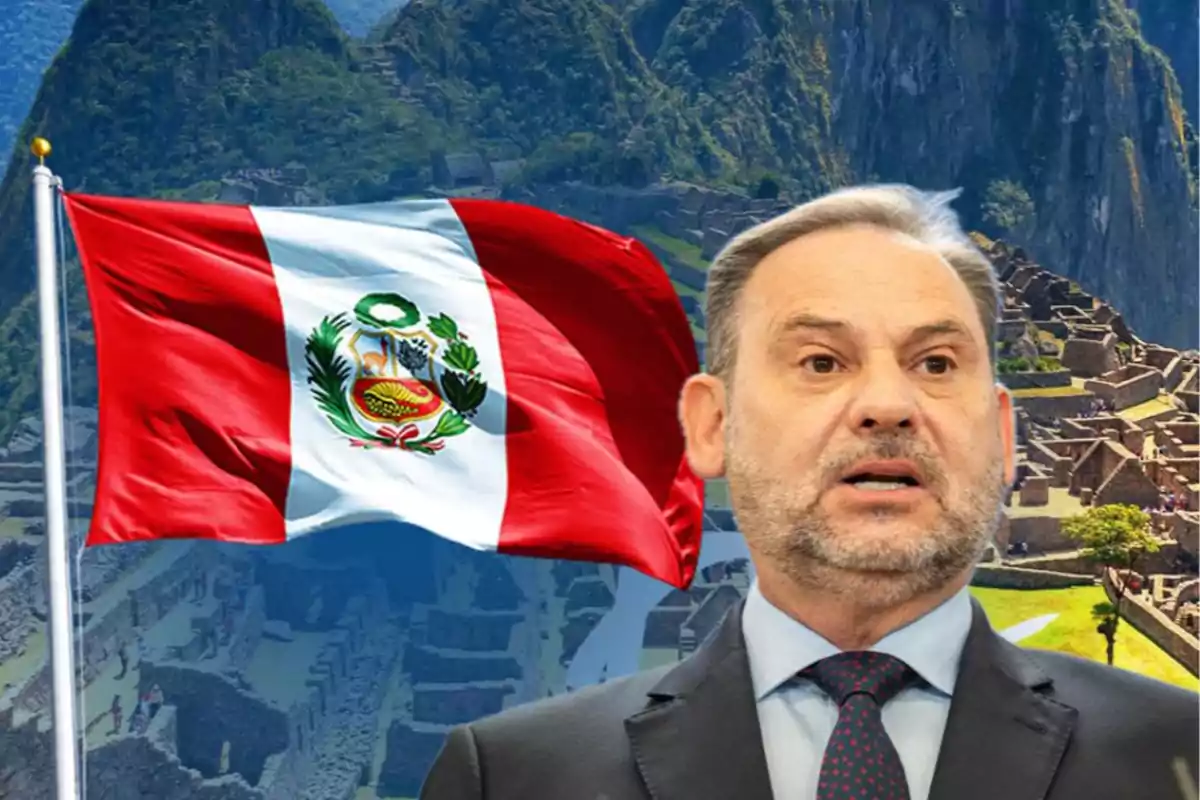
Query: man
[[851, 403]]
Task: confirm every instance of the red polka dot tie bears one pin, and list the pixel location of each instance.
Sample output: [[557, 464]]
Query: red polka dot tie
[[860, 761]]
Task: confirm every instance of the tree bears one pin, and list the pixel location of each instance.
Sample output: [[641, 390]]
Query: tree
[[768, 188], [1009, 208], [1115, 536]]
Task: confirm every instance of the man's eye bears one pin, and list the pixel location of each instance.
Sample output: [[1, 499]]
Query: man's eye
[[938, 365], [821, 364]]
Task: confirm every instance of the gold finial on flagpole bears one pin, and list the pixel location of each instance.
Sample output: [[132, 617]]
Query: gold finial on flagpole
[[40, 148]]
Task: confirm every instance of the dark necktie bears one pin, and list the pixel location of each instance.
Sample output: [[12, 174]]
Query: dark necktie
[[860, 761]]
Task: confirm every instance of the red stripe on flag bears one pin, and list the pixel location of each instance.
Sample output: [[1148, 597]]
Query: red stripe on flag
[[195, 409], [596, 347]]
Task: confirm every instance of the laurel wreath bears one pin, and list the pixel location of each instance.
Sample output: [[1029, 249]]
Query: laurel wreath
[[328, 372]]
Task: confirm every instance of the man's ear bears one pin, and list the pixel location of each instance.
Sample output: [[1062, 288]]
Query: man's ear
[[702, 414], [1008, 432]]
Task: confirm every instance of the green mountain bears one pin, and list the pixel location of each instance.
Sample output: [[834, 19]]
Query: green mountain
[[358, 17], [562, 82], [141, 103], [580, 89], [1173, 26], [30, 33], [1065, 128]]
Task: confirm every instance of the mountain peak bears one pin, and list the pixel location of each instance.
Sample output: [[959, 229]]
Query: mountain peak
[[140, 102]]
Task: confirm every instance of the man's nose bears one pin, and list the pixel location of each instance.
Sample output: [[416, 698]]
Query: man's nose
[[883, 399]]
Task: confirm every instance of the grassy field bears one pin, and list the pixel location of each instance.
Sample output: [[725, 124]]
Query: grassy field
[[1075, 631], [22, 666], [1059, 504], [686, 252], [1049, 391], [12, 528], [1147, 409]]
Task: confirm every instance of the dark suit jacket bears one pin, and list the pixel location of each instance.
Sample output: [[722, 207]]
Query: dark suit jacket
[[1023, 725]]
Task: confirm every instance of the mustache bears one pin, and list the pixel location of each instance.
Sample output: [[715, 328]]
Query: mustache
[[887, 446]]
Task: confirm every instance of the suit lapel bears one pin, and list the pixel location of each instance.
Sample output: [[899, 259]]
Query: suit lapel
[[1003, 724], [699, 738]]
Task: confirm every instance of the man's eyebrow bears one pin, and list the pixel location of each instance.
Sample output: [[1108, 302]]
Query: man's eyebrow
[[805, 321], [943, 327]]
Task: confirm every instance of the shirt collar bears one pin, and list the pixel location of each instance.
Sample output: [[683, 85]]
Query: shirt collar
[[779, 647]]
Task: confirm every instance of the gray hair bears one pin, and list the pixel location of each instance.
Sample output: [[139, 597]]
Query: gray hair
[[925, 216]]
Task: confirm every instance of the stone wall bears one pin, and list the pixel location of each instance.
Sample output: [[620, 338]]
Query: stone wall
[[1172, 373], [1042, 534], [1155, 625], [212, 709], [1075, 563], [1000, 576], [346, 747], [1127, 483], [1034, 491], [1148, 422], [142, 607], [427, 666], [468, 660], [1057, 457], [18, 590], [32, 750], [291, 589], [616, 208], [327, 731], [35, 507], [1058, 562], [1055, 327], [703, 217], [410, 752], [1127, 386], [16, 553], [476, 632], [1086, 357], [1185, 529], [1177, 434], [1106, 426], [1036, 380], [311, 719], [1049, 410], [248, 629], [456, 705], [163, 732], [1174, 474], [1095, 466], [132, 768], [580, 622], [126, 767], [103, 633]]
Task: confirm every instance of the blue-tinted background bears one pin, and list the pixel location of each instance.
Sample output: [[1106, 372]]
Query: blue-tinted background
[[330, 668]]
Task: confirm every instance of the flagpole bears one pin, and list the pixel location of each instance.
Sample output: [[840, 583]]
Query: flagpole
[[62, 656]]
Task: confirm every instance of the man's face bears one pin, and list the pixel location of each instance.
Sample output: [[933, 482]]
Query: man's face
[[864, 439]]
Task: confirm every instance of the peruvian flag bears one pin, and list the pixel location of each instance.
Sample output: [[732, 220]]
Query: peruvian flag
[[495, 374]]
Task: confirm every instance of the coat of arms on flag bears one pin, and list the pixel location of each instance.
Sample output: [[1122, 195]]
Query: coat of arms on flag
[[414, 381]]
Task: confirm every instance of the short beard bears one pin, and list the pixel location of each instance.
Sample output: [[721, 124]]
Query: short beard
[[800, 541]]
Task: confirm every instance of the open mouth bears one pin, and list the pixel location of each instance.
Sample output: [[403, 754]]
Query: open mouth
[[883, 477]]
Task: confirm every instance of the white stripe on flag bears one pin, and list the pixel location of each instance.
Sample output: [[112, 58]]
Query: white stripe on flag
[[325, 261]]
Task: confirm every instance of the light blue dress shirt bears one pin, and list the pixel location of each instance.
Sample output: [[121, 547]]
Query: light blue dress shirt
[[796, 718]]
